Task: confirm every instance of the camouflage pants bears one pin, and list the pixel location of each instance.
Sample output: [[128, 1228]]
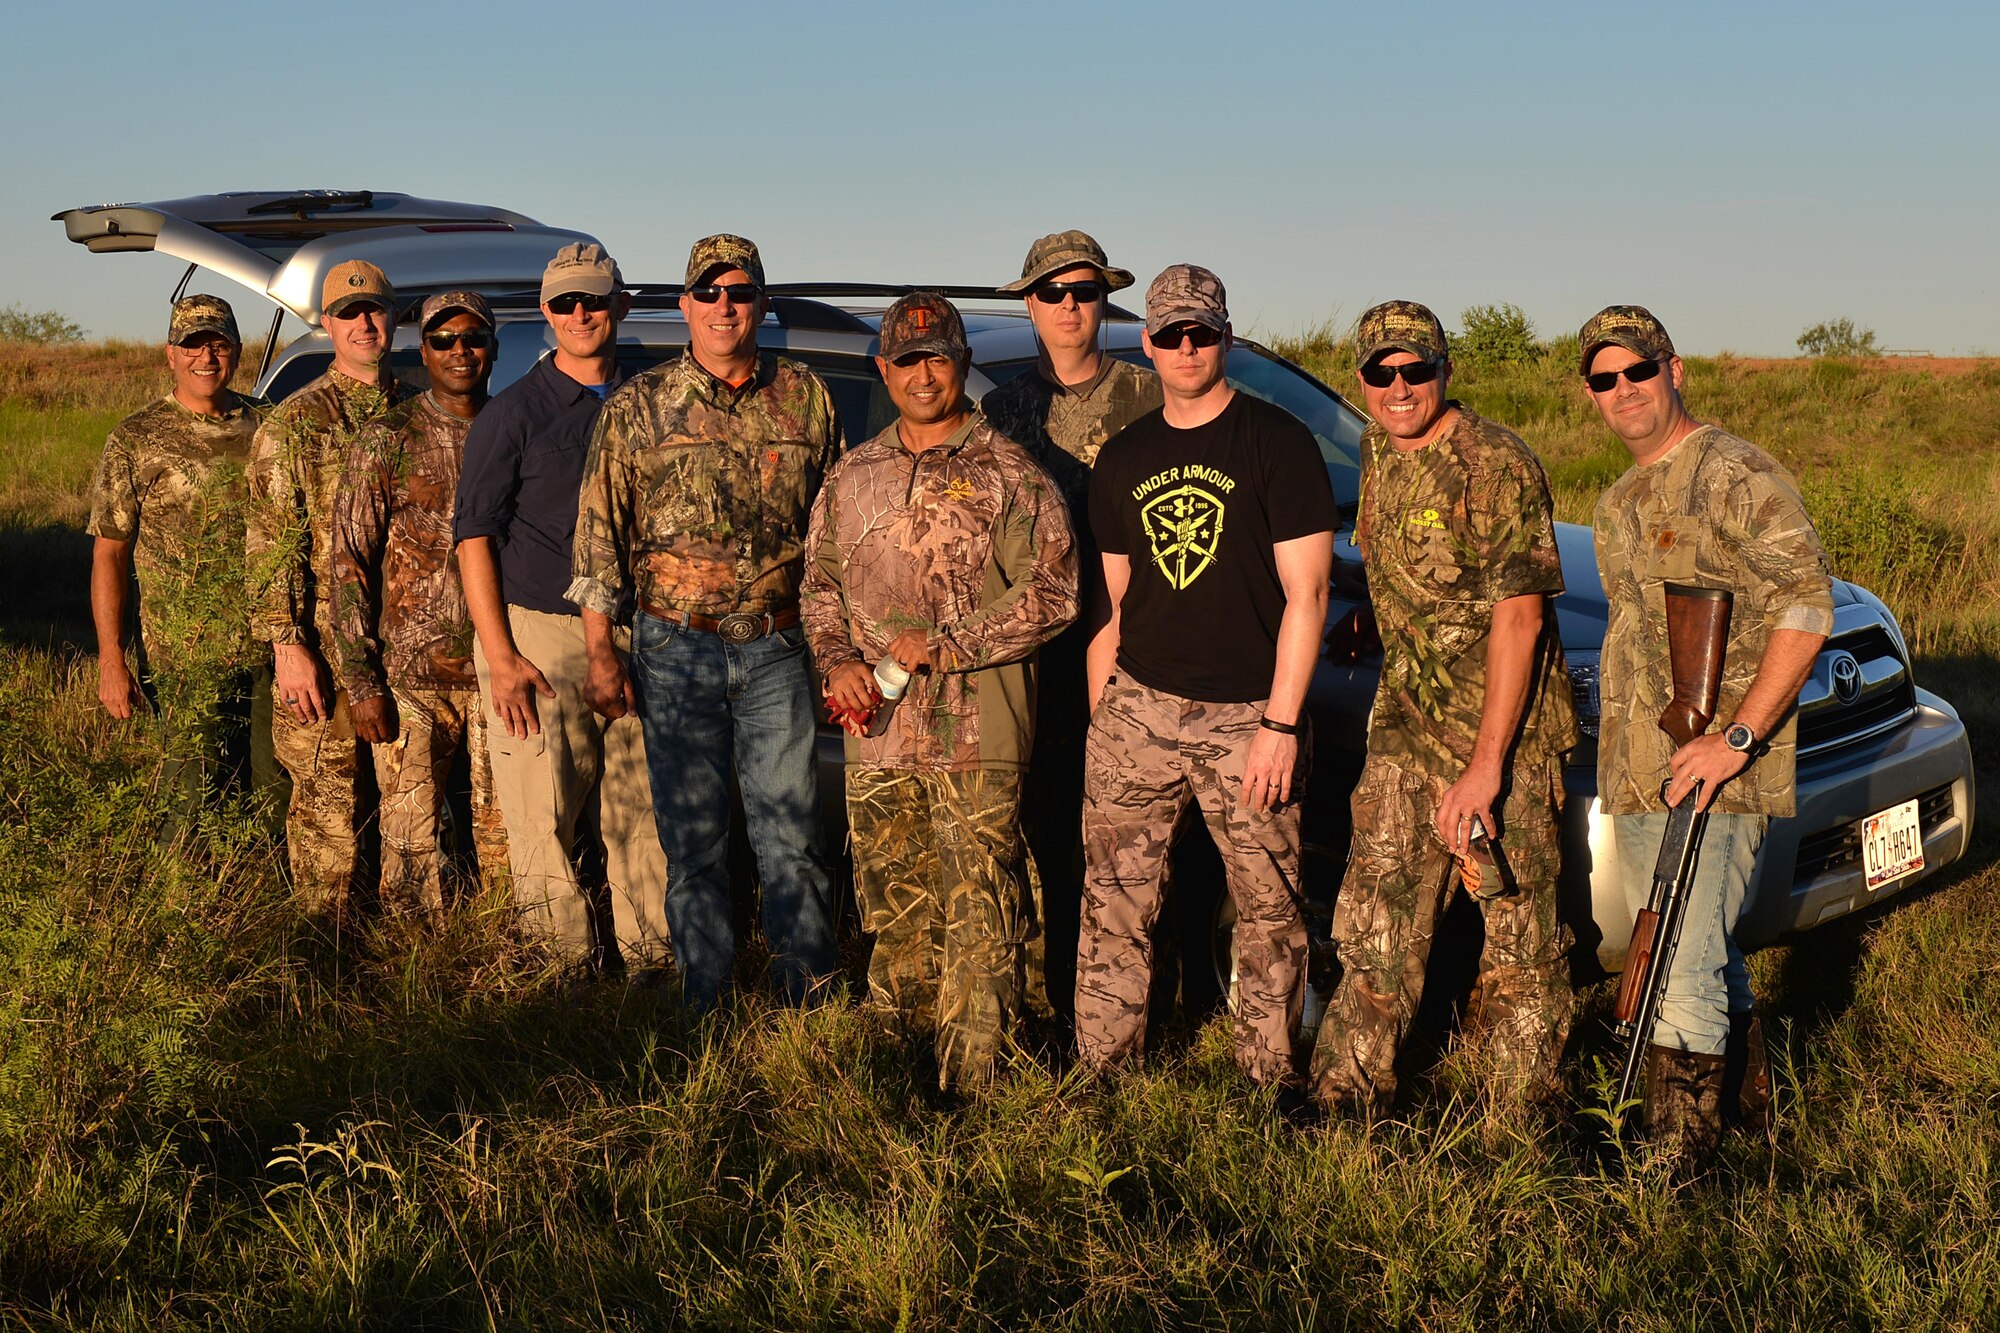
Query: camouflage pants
[[324, 818], [1397, 887], [937, 872], [1147, 753], [434, 727]]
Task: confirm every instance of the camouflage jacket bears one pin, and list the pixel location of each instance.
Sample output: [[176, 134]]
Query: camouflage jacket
[[968, 540], [399, 611], [1714, 512], [695, 494], [171, 482], [1062, 427], [1448, 532], [294, 472]]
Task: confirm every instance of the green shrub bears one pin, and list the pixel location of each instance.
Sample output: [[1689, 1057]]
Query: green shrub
[[1495, 335], [1838, 337], [37, 326]]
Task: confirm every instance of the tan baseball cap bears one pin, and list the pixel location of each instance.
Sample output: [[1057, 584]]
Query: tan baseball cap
[[1186, 294], [1399, 326], [583, 268], [352, 283], [723, 251], [201, 314], [1631, 327], [1065, 249]]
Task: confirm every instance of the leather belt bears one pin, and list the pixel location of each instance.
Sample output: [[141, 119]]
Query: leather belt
[[737, 627]]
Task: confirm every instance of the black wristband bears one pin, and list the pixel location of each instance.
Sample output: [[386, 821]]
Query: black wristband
[[1282, 728]]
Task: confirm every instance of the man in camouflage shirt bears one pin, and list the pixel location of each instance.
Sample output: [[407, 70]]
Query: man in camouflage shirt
[[168, 497], [696, 494], [1471, 721], [942, 544], [402, 638], [295, 467], [1699, 507], [1062, 411]]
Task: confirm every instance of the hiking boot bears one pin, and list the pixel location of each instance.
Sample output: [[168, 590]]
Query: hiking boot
[[1684, 1100], [1746, 1078]]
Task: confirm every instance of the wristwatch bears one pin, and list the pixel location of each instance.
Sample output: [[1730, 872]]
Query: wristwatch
[[1740, 738]]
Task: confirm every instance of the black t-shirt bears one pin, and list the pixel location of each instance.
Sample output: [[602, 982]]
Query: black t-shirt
[[1197, 513]]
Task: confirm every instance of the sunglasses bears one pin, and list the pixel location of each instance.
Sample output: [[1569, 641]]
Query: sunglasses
[[1604, 381], [1199, 334], [444, 339], [567, 303], [739, 293], [1086, 293], [1378, 376]]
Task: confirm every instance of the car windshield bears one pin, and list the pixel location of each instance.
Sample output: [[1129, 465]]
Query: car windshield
[[1255, 371]]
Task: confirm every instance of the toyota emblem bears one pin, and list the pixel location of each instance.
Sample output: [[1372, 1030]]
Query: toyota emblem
[[1846, 678]]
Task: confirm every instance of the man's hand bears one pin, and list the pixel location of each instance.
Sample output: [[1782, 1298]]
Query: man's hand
[[852, 686], [116, 688], [1267, 773], [1709, 759], [374, 719], [302, 682], [606, 687], [913, 652], [516, 681], [1469, 798]]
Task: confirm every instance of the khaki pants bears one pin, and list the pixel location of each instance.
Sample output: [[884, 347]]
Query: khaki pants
[[324, 819], [433, 727], [578, 769]]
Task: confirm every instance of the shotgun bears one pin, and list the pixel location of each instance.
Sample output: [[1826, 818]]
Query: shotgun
[[1697, 636]]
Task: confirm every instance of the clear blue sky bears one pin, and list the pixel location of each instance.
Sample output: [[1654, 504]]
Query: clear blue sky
[[1744, 170]]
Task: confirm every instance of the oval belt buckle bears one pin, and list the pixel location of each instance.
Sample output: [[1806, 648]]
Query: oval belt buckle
[[740, 628]]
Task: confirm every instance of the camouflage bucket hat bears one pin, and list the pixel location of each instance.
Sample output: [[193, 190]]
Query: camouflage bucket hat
[[1065, 249], [723, 251], [353, 283], [201, 314], [582, 267], [444, 303], [1631, 327], [1399, 326], [1186, 294], [923, 322]]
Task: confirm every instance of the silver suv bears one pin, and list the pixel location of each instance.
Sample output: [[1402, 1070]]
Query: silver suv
[[1885, 771]]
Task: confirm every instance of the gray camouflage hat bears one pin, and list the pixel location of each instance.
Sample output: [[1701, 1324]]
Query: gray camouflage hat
[[723, 251], [1399, 326], [582, 267], [201, 314], [444, 303], [1631, 327], [1065, 249], [923, 322], [1186, 294]]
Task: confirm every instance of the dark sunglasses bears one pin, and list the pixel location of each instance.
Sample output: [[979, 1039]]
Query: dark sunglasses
[[443, 340], [739, 293], [567, 303], [1378, 376], [1199, 334], [1086, 293], [1604, 381]]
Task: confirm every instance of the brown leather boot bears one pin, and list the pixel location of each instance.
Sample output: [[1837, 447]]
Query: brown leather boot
[[1684, 1100], [1746, 1079]]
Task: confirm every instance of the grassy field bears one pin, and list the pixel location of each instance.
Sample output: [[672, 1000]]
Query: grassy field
[[213, 1116]]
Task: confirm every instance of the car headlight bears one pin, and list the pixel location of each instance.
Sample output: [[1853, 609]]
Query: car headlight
[[1583, 664]]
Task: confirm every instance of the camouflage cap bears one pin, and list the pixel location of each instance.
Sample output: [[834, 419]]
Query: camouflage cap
[[1399, 326], [444, 303], [1066, 249], [201, 314], [581, 267], [1631, 327], [723, 251], [352, 283], [923, 322], [1186, 294]]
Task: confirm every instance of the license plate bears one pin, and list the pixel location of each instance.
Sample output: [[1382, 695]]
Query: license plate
[[1892, 845]]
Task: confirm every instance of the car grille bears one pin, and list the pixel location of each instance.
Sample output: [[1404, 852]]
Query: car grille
[[1887, 695], [1833, 849]]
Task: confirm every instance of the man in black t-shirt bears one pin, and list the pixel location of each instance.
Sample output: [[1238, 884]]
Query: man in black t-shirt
[[1215, 521]]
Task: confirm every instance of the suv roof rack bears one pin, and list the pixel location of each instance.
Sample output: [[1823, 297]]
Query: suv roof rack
[[892, 290]]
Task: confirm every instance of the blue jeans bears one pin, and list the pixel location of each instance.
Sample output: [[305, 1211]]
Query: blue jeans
[[708, 706], [1707, 982]]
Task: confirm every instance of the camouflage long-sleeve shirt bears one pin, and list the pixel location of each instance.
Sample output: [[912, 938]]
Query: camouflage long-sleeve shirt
[[399, 610], [695, 494], [295, 468], [1448, 532], [969, 541], [1715, 512], [1063, 426], [171, 482]]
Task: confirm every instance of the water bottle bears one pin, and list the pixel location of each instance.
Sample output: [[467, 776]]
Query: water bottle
[[891, 681]]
